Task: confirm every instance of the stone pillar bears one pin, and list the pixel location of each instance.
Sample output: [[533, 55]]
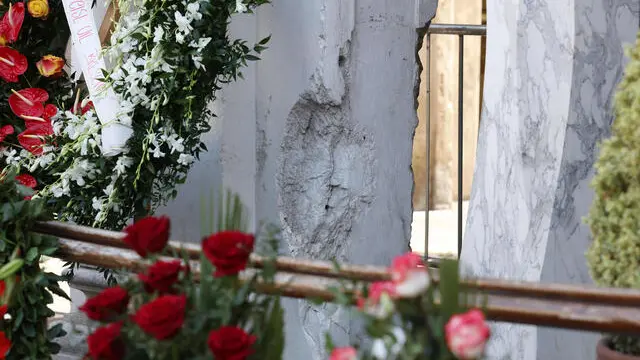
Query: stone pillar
[[335, 102], [552, 69]]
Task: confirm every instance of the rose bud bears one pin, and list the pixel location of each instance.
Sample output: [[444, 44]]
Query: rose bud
[[228, 251], [149, 235], [467, 335], [50, 66], [107, 304], [38, 8], [163, 317], [161, 276], [344, 353], [379, 303], [410, 275], [105, 343], [230, 343]]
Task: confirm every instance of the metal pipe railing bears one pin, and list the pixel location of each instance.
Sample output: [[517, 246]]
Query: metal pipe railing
[[461, 31]]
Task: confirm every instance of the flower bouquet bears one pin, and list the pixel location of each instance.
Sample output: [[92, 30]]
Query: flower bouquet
[[169, 311], [412, 317]]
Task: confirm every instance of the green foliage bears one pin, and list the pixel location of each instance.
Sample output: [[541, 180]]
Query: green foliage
[[614, 218], [179, 96], [29, 310]]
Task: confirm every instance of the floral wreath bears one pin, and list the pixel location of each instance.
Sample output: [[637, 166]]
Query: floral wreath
[[168, 58]]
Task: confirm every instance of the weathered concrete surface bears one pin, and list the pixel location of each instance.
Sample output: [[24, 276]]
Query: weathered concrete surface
[[335, 119], [552, 69]]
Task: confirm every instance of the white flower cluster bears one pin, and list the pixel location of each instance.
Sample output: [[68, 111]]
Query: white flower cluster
[[172, 144]]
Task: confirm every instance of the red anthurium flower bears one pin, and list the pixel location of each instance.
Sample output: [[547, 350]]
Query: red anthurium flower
[[34, 138], [12, 64], [11, 23], [49, 112], [27, 180], [5, 345], [28, 102], [5, 131]]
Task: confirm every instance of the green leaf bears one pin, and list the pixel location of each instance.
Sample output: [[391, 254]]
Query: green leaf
[[55, 332], [265, 40], [449, 286], [55, 288], [32, 254]]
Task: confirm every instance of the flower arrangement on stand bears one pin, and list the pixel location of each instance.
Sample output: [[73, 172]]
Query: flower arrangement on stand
[[168, 312], [412, 318], [168, 59], [26, 289]]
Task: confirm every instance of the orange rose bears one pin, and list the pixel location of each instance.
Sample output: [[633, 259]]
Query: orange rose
[[50, 65], [38, 8]]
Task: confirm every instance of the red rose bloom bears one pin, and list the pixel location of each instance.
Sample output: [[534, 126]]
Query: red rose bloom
[[5, 345], [230, 343], [149, 235], [162, 318], [107, 304], [161, 276], [105, 343], [5, 131], [228, 251], [12, 64]]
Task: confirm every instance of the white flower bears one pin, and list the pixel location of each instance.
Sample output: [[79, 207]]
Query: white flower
[[180, 38], [122, 164], [96, 203], [409, 275], [240, 6], [200, 44], [197, 61], [185, 159], [158, 34], [10, 156], [157, 153], [380, 347], [183, 22], [192, 11]]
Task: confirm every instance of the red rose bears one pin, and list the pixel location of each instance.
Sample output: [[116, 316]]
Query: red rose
[[110, 302], [467, 334], [344, 353], [5, 345], [163, 317], [149, 235], [161, 276], [230, 343], [105, 343], [228, 251]]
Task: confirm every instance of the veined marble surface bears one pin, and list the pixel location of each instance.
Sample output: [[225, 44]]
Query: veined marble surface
[[552, 69]]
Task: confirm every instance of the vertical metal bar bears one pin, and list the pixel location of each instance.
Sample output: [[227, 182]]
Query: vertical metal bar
[[427, 69], [460, 132]]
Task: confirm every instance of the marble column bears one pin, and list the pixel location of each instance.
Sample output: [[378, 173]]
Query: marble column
[[551, 71]]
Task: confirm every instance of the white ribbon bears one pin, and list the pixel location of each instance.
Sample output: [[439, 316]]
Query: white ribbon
[[86, 46]]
